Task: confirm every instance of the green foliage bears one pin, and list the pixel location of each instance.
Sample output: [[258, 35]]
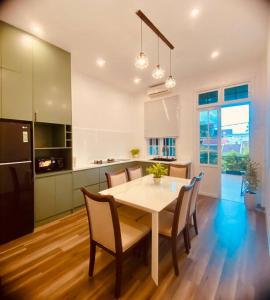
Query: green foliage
[[135, 151], [158, 170], [251, 180], [233, 161]]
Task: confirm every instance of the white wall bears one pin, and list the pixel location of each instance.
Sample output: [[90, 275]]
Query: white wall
[[105, 121], [188, 128], [267, 149]]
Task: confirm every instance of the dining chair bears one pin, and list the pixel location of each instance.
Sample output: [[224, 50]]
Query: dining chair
[[171, 225], [180, 171], [193, 203], [134, 172], [111, 232], [115, 179]]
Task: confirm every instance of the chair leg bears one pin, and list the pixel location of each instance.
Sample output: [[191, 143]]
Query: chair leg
[[118, 276], [92, 258], [188, 237], [174, 257], [195, 222], [185, 234]]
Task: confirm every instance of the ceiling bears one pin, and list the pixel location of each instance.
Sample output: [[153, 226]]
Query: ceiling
[[110, 29]]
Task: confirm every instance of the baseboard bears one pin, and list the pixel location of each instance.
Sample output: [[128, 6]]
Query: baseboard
[[208, 195]]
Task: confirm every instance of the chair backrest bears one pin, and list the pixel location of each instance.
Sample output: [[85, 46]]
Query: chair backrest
[[195, 193], [116, 178], [134, 172], [103, 220], [181, 213], [178, 171]]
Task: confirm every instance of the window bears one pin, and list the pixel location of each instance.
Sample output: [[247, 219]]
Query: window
[[163, 146], [168, 148], [236, 93], [209, 137], [153, 146], [208, 98]]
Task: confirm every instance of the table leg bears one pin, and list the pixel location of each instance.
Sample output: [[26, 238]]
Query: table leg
[[155, 247]]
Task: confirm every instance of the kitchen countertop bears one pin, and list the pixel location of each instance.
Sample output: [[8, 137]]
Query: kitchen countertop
[[92, 166]]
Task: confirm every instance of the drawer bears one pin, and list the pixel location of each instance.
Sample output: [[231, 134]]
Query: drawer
[[78, 199], [85, 178]]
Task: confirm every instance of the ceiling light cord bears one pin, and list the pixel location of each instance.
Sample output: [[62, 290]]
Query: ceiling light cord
[[141, 36], [158, 51], [170, 62]]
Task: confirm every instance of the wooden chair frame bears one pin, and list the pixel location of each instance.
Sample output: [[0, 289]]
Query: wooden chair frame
[[174, 233], [118, 254], [109, 174], [180, 167], [132, 169]]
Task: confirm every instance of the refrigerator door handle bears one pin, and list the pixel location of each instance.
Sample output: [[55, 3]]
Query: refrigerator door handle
[[16, 163]]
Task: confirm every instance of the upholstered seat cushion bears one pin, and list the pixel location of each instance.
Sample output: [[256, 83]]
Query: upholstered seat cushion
[[130, 212], [131, 232], [165, 222]]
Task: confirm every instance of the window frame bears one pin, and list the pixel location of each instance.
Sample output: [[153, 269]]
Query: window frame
[[160, 146], [218, 138], [250, 93]]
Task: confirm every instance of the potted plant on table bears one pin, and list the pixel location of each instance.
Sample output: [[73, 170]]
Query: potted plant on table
[[251, 183], [135, 152], [158, 170]]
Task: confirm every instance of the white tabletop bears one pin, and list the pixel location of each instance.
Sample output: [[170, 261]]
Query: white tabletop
[[145, 194]]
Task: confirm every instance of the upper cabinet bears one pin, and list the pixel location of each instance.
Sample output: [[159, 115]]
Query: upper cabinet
[[51, 83], [16, 73]]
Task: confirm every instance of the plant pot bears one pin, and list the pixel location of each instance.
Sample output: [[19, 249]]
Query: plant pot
[[250, 200], [156, 180], [135, 156]]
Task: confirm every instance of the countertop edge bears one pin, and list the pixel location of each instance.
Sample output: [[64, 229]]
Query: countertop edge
[[93, 166]]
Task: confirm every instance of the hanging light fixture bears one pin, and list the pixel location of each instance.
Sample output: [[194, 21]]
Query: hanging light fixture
[[170, 82], [141, 61], [158, 72]]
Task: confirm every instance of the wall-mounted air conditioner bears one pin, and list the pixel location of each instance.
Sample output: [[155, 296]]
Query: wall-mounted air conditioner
[[157, 90]]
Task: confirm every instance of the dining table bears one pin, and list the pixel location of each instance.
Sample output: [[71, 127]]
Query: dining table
[[143, 193]]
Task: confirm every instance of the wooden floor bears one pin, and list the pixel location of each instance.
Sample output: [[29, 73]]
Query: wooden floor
[[228, 260]]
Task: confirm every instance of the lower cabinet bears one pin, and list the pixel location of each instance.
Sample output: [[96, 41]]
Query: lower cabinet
[[53, 195], [78, 199]]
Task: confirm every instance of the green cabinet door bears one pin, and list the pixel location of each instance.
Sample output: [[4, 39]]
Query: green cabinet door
[[16, 73], [51, 83], [63, 193], [44, 197]]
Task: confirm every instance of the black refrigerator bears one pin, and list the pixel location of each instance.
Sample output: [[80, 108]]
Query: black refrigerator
[[16, 180]]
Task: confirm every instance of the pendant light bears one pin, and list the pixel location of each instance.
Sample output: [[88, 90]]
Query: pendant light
[[141, 61], [170, 82], [158, 72]]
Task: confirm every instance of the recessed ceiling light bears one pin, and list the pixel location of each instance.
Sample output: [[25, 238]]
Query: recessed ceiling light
[[195, 12], [101, 62], [215, 54], [137, 80]]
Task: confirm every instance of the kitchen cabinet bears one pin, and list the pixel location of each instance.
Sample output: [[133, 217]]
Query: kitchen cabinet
[[53, 195], [63, 193], [51, 83], [78, 198], [44, 198], [16, 73], [85, 178]]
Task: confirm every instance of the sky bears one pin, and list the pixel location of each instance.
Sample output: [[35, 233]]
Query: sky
[[235, 118]]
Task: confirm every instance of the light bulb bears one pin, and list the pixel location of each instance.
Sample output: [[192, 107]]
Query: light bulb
[[170, 82], [158, 72], [141, 61]]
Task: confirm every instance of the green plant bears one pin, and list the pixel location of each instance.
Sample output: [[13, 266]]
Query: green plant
[[250, 178], [135, 151], [158, 170], [233, 161]]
